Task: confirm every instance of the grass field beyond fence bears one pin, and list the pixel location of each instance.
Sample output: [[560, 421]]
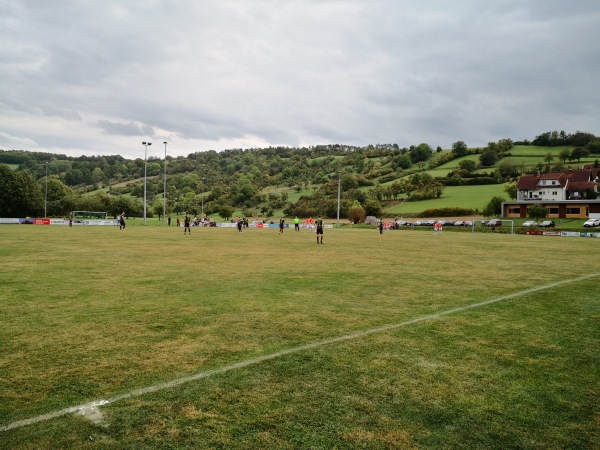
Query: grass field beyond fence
[[407, 340]]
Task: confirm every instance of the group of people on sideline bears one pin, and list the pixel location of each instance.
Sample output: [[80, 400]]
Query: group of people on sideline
[[193, 222]]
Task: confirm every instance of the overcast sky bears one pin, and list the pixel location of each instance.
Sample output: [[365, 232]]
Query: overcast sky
[[91, 77]]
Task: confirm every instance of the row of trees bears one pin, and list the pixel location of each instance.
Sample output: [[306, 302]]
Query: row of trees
[[21, 195], [559, 138]]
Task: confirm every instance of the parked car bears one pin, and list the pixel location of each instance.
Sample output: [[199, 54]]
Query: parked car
[[494, 223], [419, 223], [459, 223], [592, 223], [548, 224], [530, 224], [430, 223], [468, 223]]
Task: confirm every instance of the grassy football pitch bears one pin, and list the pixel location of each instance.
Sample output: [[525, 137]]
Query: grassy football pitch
[[146, 338]]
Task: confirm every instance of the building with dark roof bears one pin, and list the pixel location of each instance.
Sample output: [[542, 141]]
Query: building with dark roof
[[572, 193]]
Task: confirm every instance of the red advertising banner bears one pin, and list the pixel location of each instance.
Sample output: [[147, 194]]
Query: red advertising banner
[[33, 221]]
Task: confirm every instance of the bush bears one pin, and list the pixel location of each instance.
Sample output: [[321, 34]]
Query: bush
[[356, 214]]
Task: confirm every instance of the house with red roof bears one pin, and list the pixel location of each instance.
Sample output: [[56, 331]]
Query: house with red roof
[[572, 193]]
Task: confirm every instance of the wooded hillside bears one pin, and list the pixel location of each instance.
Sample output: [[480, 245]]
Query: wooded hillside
[[264, 181]]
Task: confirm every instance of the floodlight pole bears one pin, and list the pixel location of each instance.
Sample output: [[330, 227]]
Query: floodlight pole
[[203, 198], [145, 144], [46, 195], [338, 208], [165, 186]]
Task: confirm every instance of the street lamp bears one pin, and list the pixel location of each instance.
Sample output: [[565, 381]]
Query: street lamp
[[165, 186], [46, 195], [145, 144], [338, 211], [203, 197]]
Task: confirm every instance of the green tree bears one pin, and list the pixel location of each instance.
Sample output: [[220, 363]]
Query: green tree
[[467, 165], [488, 157], [97, 175], [549, 157], [511, 190], [348, 181], [74, 177], [189, 202], [594, 146], [20, 195], [564, 155], [158, 208], [459, 148], [356, 214], [401, 161], [537, 212], [507, 169], [61, 199], [494, 207], [226, 211], [579, 153], [153, 168], [372, 208], [421, 152], [504, 145]]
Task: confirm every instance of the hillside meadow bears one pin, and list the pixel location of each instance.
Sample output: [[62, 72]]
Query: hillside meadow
[[474, 197], [223, 339]]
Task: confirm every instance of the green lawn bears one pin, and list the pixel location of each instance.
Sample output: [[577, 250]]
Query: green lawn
[[474, 197], [401, 341]]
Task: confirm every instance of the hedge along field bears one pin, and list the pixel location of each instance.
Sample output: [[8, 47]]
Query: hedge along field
[[90, 313]]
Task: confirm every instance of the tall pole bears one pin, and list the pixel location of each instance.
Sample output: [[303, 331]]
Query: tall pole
[[145, 144], [165, 186], [203, 197], [338, 211], [46, 195]]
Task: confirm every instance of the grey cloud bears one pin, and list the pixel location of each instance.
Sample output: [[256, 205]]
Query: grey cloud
[[209, 73], [125, 129]]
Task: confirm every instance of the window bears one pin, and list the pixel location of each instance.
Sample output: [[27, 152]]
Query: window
[[574, 211], [554, 192], [552, 210], [514, 210]]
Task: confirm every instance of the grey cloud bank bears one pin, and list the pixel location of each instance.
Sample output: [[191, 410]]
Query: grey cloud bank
[[101, 77]]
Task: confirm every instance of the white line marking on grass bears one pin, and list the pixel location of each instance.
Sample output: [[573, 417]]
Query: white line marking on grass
[[84, 409]]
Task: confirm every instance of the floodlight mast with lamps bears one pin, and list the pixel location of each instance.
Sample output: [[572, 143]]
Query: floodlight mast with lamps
[[145, 144]]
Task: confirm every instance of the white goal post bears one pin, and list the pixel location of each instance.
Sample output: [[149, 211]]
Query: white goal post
[[483, 223]]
